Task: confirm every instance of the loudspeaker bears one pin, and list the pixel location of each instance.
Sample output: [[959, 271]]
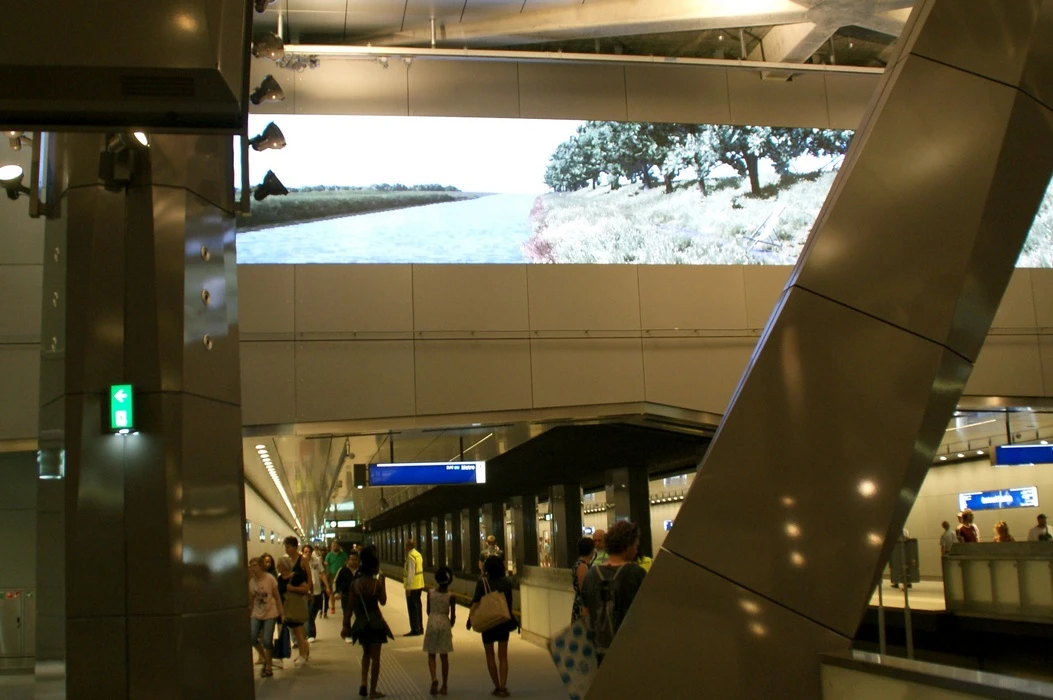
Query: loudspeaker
[[360, 474]]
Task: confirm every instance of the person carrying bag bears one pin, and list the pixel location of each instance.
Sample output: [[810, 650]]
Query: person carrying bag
[[295, 607], [491, 610]]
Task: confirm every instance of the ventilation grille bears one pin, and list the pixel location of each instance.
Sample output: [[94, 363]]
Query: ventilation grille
[[157, 86]]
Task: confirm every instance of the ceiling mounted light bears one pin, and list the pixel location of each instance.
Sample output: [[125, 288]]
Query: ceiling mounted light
[[261, 5], [269, 46], [943, 458], [268, 91], [16, 139], [11, 180], [271, 185], [271, 138], [116, 143]]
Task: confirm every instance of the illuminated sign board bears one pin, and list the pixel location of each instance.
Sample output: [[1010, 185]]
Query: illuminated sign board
[[668, 525], [427, 473], [1019, 455], [122, 408], [1024, 497]]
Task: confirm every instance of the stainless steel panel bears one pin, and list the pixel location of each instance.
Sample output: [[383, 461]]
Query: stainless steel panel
[[93, 667], [19, 383], [29, 621], [463, 89], [212, 660], [11, 616], [780, 492], [354, 298], [153, 643], [354, 379], [967, 126], [1008, 365], [203, 165], [584, 297], [266, 301], [745, 646], [20, 287], [692, 297], [20, 534], [584, 371], [696, 373], [352, 87], [470, 298], [268, 382], [554, 91], [797, 102], [686, 94], [471, 376]]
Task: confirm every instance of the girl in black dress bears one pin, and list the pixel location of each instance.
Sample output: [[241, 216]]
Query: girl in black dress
[[368, 592], [494, 573]]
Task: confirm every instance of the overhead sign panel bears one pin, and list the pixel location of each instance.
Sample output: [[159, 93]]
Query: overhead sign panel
[[1024, 497], [427, 473], [1020, 455]]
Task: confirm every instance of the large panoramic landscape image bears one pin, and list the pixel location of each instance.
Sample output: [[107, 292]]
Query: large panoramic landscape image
[[461, 190]]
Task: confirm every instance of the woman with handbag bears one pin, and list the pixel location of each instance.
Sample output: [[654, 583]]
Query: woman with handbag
[[297, 589], [491, 614], [368, 592], [265, 607]]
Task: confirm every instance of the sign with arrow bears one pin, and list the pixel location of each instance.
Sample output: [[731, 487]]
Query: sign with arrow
[[122, 408]]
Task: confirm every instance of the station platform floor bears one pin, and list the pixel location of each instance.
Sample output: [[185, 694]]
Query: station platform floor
[[923, 595]]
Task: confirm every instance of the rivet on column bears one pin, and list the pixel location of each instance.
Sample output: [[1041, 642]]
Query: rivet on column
[[207, 342], [206, 255], [54, 299], [205, 297], [55, 254]]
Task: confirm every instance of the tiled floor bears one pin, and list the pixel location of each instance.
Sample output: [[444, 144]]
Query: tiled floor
[[334, 669]]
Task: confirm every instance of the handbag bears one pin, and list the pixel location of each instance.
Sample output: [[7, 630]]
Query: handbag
[[283, 645], [295, 607], [575, 658], [491, 610]]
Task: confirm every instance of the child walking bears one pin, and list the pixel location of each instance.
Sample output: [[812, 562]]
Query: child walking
[[438, 636]]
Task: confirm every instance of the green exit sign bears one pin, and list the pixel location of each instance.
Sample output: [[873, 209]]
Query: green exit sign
[[122, 408]]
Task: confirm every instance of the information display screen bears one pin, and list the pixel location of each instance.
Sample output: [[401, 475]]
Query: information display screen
[[1019, 455], [1023, 497], [427, 473]]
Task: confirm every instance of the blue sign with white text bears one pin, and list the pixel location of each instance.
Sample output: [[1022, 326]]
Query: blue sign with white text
[[427, 474], [1024, 497], [1019, 455]]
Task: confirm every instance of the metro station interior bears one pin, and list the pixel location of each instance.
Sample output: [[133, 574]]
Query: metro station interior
[[771, 280]]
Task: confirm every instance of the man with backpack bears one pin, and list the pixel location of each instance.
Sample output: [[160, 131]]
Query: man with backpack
[[609, 588]]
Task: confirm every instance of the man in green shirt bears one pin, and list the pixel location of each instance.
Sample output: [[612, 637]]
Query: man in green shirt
[[334, 561]]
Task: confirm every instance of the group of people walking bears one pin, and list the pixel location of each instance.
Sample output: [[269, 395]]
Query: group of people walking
[[967, 531]]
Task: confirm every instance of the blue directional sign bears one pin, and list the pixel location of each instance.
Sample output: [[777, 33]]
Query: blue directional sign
[[427, 473], [1020, 455], [1024, 497]]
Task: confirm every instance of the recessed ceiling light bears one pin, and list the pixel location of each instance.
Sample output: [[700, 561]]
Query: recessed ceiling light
[[1043, 442], [943, 458], [261, 447], [979, 452], [960, 454]]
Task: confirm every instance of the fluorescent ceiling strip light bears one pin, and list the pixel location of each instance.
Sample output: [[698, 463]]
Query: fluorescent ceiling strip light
[[468, 449], [972, 425], [285, 497]]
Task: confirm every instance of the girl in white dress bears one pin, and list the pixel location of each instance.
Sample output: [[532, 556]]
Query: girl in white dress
[[438, 635]]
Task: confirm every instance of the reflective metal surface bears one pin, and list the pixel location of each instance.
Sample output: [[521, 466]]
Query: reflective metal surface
[[879, 326]]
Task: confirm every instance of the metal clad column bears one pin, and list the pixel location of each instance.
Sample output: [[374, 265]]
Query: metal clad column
[[566, 509], [140, 288], [796, 506]]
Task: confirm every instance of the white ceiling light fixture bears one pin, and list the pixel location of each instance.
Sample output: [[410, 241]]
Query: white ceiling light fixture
[[11, 181], [285, 496]]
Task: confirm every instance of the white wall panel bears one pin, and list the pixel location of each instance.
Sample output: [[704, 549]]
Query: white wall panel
[[463, 89], [695, 373], [463, 376], [1008, 365], [470, 298], [354, 298], [20, 302], [692, 297], [701, 96], [797, 102], [265, 299], [584, 297], [347, 86], [338, 380], [848, 97], [1017, 309], [587, 371], [764, 285], [1042, 291], [20, 390], [1045, 349], [554, 91], [268, 382]]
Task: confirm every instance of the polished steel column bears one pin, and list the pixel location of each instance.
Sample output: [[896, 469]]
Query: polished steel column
[[141, 559], [565, 504], [817, 463]]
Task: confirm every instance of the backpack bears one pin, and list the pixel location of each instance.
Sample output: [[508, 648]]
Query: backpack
[[607, 618]]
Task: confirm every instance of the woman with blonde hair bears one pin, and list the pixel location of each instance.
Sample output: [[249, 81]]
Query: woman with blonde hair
[[1002, 532]]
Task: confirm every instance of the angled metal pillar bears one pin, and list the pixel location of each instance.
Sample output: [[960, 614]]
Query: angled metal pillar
[[142, 553], [780, 542]]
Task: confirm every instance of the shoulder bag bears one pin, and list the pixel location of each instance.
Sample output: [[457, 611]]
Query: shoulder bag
[[295, 607], [491, 610]]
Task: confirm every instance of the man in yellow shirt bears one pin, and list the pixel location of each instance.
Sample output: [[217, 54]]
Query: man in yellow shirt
[[414, 583]]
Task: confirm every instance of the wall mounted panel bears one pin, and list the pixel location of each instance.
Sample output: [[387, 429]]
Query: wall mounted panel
[[847, 97], [265, 300], [553, 91], [583, 297], [20, 389], [1042, 294], [764, 285], [695, 373], [470, 298], [268, 382], [20, 298], [677, 94], [463, 89], [709, 297], [1017, 308], [466, 376], [260, 68], [357, 379], [797, 102], [354, 298], [1008, 365], [587, 371], [353, 87]]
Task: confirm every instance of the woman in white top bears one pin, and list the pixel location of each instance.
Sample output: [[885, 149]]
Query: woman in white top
[[265, 607]]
